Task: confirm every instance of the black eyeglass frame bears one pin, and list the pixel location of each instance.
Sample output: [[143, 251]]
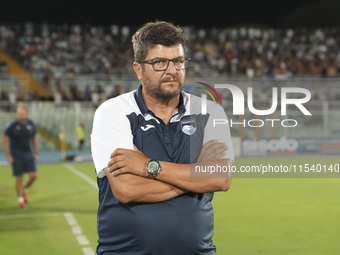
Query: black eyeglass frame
[[172, 60]]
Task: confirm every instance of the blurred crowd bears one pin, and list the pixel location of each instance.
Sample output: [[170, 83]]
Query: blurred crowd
[[60, 50], [65, 50], [254, 52], [51, 51]]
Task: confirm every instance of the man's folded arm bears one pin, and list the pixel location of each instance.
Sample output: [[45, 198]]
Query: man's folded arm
[[186, 175], [181, 176], [132, 188]]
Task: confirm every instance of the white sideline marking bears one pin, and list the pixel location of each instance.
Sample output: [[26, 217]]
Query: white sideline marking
[[82, 240], [80, 174], [77, 231], [88, 251], [71, 220]]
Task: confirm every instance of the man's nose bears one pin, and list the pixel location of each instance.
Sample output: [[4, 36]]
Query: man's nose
[[171, 67]]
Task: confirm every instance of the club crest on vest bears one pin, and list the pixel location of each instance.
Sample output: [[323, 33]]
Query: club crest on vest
[[189, 127]]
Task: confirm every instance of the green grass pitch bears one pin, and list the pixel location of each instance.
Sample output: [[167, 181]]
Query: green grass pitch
[[256, 216]]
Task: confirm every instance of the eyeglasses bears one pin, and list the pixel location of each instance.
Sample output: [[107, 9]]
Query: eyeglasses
[[161, 64]]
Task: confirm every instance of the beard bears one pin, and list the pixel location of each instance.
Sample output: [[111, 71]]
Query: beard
[[163, 93]]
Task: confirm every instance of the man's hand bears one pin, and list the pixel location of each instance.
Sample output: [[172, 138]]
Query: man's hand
[[126, 173], [134, 162], [128, 161], [212, 150], [9, 159]]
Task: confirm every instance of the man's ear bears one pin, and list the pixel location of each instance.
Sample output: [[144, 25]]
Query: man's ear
[[138, 69]]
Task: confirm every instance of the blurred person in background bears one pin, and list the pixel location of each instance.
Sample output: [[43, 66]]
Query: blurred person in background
[[81, 136], [21, 148]]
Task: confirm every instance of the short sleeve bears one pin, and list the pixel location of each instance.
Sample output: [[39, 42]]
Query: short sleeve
[[111, 130], [8, 130], [217, 128]]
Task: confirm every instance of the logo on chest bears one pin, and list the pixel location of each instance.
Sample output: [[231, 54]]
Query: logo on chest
[[147, 127], [189, 127]]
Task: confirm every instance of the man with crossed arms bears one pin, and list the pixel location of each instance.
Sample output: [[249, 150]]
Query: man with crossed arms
[[146, 143]]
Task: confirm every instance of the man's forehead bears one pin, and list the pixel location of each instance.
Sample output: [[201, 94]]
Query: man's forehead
[[21, 110], [159, 50]]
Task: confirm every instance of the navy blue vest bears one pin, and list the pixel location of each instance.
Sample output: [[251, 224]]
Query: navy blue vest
[[182, 225]]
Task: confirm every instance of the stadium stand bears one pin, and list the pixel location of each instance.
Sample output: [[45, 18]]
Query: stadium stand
[[89, 64], [65, 55]]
